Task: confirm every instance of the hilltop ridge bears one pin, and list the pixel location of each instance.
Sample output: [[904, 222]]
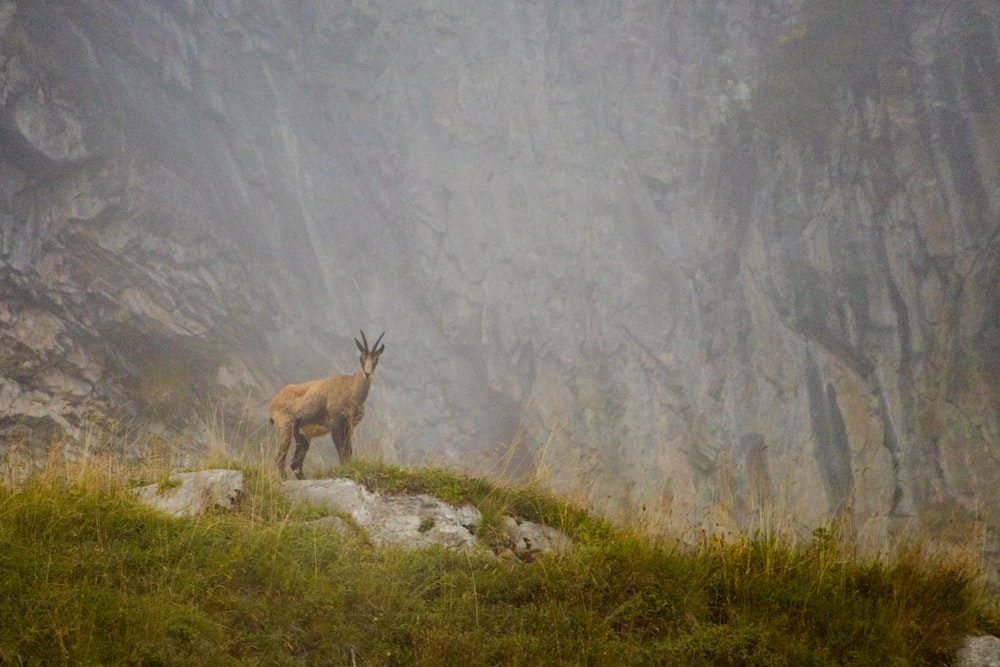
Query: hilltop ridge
[[90, 574]]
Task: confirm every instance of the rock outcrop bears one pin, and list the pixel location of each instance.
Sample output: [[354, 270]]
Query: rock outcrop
[[981, 651], [187, 494], [411, 521], [387, 519], [735, 266]]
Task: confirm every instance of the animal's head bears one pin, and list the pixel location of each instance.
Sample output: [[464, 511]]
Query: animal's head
[[369, 357]]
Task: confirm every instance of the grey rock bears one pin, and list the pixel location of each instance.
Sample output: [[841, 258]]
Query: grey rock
[[341, 495], [409, 521], [188, 494], [391, 519], [981, 651], [527, 537]]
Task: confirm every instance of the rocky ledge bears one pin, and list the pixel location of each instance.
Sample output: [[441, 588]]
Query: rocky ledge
[[408, 521]]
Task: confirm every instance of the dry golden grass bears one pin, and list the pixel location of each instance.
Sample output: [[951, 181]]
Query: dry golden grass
[[90, 576]]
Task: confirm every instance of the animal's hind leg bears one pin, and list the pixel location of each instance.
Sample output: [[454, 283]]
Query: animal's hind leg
[[299, 457], [285, 440]]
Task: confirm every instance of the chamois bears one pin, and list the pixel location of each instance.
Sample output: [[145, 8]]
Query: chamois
[[333, 405]]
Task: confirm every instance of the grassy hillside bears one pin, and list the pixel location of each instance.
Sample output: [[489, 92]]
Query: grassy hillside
[[89, 576]]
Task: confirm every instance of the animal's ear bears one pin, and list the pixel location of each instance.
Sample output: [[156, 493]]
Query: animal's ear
[[358, 343], [380, 350]]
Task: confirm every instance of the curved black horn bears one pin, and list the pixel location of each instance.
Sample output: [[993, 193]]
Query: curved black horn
[[364, 340], [375, 346]]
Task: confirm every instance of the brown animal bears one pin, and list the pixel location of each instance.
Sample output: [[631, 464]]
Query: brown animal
[[333, 405]]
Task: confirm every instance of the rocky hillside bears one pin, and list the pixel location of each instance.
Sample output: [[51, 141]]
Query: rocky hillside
[[734, 267]]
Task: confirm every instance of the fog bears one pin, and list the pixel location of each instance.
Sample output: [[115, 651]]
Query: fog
[[711, 268]]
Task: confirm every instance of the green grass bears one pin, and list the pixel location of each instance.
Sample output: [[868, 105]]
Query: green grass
[[89, 576], [523, 503]]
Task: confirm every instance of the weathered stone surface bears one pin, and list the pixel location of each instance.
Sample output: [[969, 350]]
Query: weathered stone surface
[[189, 494], [410, 521], [736, 265], [401, 520], [983, 651], [527, 537]]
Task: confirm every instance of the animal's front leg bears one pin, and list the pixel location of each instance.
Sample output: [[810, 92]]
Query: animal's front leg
[[348, 451], [299, 457], [341, 433]]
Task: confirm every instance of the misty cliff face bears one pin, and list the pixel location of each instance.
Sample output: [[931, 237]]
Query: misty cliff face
[[733, 267]]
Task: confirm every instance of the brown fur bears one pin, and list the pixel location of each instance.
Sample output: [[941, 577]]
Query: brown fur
[[334, 405]]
